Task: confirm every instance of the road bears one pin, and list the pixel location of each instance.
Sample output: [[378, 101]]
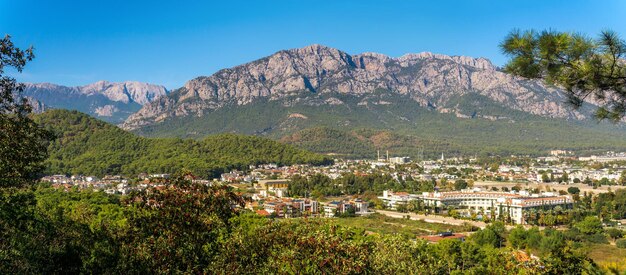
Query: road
[[431, 218]]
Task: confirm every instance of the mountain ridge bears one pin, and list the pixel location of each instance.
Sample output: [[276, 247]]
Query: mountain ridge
[[110, 101], [427, 78]]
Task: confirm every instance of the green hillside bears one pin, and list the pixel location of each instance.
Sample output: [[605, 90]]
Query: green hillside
[[89, 146], [386, 121]]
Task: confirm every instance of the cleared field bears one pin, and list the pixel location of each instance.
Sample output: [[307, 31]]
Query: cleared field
[[382, 224]]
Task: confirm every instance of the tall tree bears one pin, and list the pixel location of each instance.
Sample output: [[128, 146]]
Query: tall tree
[[582, 66], [23, 143]]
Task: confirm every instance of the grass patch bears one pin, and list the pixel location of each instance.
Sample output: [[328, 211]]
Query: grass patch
[[608, 256]]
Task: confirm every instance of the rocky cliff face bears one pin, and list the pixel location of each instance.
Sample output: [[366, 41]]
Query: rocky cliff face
[[432, 80], [129, 91], [36, 105], [113, 102]]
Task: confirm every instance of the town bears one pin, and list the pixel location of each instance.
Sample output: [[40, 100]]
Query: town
[[477, 189]]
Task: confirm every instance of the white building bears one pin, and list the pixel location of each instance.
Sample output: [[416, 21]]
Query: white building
[[331, 208], [307, 205], [360, 207], [496, 203], [399, 160], [393, 199]]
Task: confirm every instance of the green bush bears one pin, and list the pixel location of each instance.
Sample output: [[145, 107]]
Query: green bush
[[597, 238], [621, 243]]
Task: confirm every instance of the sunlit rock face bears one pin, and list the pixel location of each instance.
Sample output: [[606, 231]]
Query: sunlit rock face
[[113, 102], [430, 79]]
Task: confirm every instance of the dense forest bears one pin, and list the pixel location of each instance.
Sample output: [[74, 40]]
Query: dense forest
[[88, 146], [192, 228]]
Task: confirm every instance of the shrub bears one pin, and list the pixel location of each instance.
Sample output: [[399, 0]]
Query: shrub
[[614, 233], [621, 243], [573, 190], [597, 238]]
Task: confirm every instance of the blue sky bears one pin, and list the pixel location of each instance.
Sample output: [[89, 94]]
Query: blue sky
[[170, 42]]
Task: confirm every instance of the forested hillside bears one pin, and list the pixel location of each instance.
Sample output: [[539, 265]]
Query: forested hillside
[[85, 145]]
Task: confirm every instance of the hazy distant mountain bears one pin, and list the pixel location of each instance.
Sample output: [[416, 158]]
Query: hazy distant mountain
[[432, 81], [112, 102]]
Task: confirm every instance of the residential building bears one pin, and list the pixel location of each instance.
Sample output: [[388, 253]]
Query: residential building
[[393, 199], [495, 203], [274, 184]]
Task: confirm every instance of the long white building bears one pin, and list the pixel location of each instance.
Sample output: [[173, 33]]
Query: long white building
[[498, 203]]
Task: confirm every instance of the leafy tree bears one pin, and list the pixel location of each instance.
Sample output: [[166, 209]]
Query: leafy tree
[[22, 142], [590, 225], [582, 66], [402, 208], [565, 259], [29, 243], [309, 246], [573, 190], [604, 181], [551, 242], [564, 177], [492, 235], [460, 184], [517, 237], [175, 228], [615, 233], [621, 243]]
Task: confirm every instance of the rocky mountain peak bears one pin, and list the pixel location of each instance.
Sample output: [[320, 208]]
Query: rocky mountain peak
[[113, 101], [432, 80], [479, 63], [315, 49], [95, 87], [128, 91]]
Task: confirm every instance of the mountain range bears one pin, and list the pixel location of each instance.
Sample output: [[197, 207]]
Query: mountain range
[[112, 102], [329, 101], [431, 80]]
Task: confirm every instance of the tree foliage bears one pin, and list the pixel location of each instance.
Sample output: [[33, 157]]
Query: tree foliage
[[22, 142], [590, 225], [176, 227], [348, 183], [583, 66]]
